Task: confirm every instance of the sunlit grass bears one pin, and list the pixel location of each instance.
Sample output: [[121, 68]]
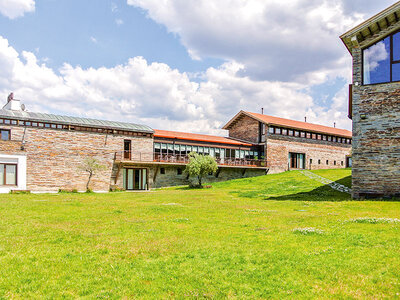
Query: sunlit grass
[[249, 238]]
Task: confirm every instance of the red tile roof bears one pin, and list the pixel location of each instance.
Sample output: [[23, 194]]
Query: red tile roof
[[197, 137], [270, 120]]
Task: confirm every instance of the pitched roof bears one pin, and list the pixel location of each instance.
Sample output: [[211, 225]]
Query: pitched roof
[[270, 120], [197, 137], [369, 28], [58, 119]]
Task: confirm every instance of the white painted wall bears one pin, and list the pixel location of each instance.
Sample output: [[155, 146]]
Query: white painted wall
[[20, 160]]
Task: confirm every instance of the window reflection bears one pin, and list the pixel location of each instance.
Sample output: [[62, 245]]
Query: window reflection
[[377, 62]]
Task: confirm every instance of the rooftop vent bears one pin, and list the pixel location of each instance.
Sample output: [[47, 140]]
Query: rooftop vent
[[13, 104]]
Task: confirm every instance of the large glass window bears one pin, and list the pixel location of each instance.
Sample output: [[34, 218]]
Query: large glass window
[[381, 61]]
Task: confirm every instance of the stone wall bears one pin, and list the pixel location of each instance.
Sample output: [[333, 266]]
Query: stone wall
[[322, 153], [54, 156], [171, 177], [376, 138], [247, 129]]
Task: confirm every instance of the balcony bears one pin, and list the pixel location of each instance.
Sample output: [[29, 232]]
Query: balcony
[[183, 159]]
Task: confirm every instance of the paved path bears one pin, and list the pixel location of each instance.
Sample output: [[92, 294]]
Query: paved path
[[332, 184]]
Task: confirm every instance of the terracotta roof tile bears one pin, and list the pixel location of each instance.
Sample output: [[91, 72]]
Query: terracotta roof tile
[[300, 125], [197, 137]]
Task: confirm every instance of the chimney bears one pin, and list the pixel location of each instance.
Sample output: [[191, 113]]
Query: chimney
[[262, 110], [334, 124], [305, 119], [12, 104]]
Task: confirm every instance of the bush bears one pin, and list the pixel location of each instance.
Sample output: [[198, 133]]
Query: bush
[[199, 166]]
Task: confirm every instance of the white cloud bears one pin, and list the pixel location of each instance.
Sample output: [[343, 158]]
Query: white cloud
[[93, 39], [16, 8], [273, 39], [154, 94], [119, 22]]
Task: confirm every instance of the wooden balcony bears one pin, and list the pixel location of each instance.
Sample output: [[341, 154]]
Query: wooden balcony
[[183, 159]]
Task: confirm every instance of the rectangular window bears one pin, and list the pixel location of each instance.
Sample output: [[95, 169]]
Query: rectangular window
[[308, 135], [327, 162], [314, 136], [302, 134], [162, 171], [284, 131], [277, 130], [5, 135], [271, 129], [8, 174], [296, 133], [290, 132], [381, 61], [179, 171], [297, 160]]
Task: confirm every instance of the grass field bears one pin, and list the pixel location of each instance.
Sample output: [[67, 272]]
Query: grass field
[[276, 236]]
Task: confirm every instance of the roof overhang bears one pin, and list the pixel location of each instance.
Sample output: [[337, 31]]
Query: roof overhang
[[369, 30]]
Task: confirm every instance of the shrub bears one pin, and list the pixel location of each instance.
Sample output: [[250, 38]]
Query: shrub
[[200, 165]]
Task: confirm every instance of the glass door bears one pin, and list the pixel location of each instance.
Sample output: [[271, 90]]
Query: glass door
[[135, 179]]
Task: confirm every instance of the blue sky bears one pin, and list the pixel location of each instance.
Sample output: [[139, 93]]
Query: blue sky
[[180, 65]]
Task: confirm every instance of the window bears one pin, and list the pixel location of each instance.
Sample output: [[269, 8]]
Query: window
[[309, 135], [162, 171], [8, 174], [179, 171], [302, 134], [381, 61], [271, 129], [297, 160], [327, 162], [319, 161], [277, 130], [284, 131], [310, 161], [334, 162], [314, 136], [290, 132], [341, 162], [5, 135], [296, 133]]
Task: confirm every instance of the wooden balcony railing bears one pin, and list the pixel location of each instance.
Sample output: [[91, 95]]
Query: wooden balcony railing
[[184, 159]]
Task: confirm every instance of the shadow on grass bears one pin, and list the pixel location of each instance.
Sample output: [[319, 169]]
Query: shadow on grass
[[322, 193]]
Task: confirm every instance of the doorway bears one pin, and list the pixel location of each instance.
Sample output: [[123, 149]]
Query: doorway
[[297, 160], [135, 179]]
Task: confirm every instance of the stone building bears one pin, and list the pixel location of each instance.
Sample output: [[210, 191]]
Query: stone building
[[45, 152], [288, 144], [374, 104]]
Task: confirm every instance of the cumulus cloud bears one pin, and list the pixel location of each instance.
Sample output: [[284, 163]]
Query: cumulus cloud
[[274, 39], [155, 94], [16, 8]]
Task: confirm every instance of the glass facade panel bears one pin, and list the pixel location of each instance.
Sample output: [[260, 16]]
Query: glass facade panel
[[1, 174], [376, 62], [396, 72], [11, 174], [157, 145], [396, 46]]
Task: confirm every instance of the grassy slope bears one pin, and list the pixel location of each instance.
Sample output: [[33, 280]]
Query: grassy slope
[[234, 240]]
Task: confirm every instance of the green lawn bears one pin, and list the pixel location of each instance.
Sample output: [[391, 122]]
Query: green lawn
[[235, 240]]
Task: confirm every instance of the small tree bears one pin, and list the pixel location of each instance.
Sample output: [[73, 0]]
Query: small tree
[[91, 166], [200, 165]]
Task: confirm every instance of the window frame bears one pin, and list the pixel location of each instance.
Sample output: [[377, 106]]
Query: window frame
[[9, 134], [4, 183], [391, 59]]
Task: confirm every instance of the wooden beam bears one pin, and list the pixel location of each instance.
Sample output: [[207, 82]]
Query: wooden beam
[[396, 17], [370, 31], [379, 26], [387, 22]]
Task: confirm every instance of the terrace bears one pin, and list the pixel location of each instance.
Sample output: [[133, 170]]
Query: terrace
[[183, 159]]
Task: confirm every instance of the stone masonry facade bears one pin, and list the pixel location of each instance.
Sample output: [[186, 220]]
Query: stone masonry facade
[[376, 136], [318, 154], [247, 129], [54, 157]]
